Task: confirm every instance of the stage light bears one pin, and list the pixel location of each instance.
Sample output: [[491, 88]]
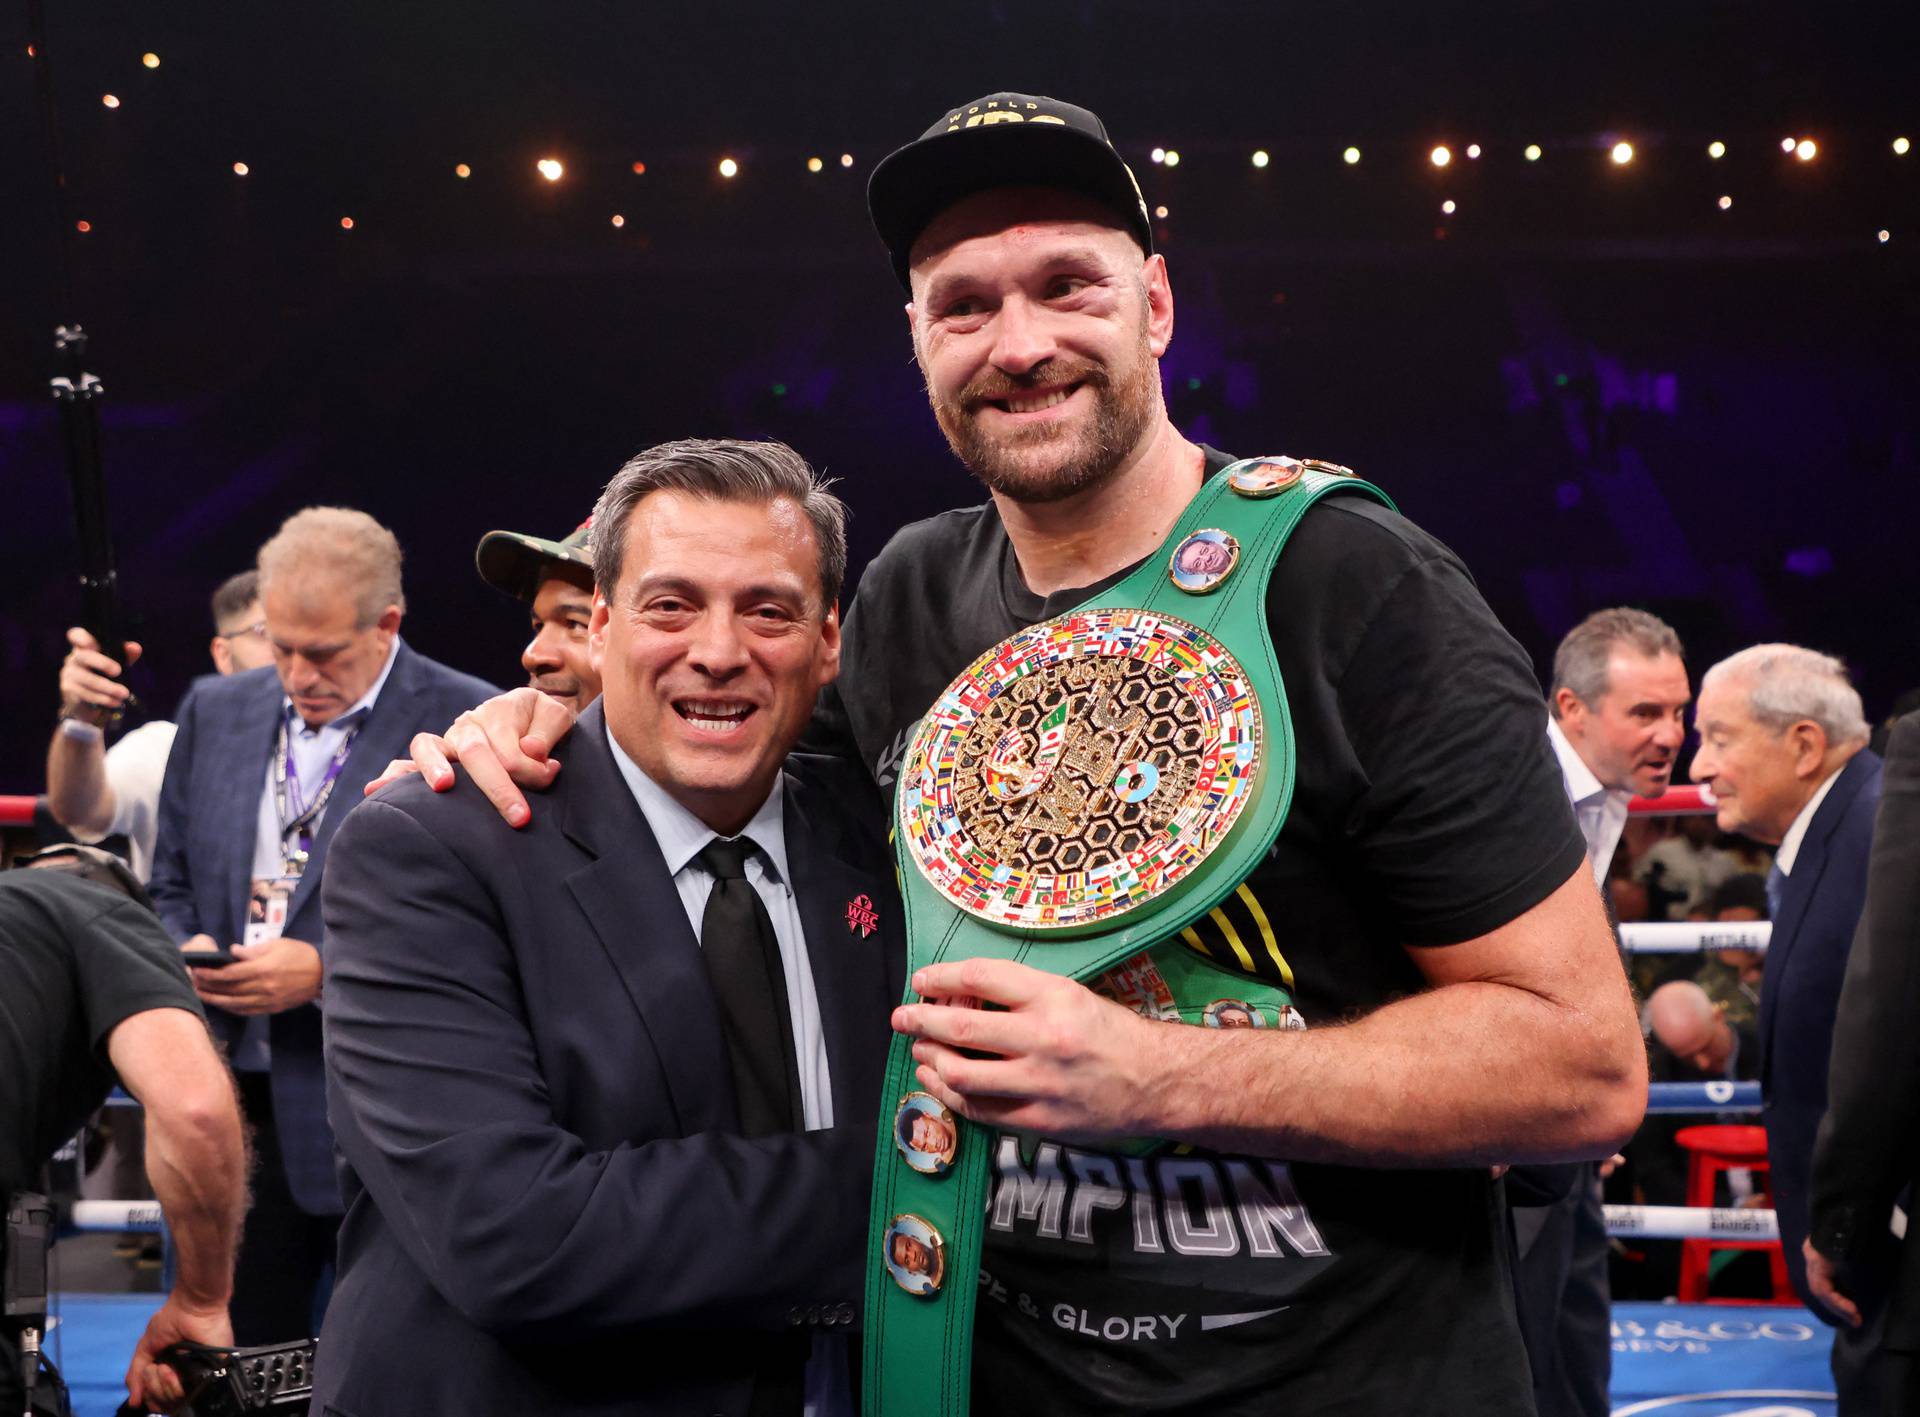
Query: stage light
[[1473, 150], [551, 168], [1787, 145], [1351, 157], [1173, 158], [1806, 150], [346, 223], [1882, 234], [1448, 206], [1716, 149], [110, 100], [460, 169], [1260, 158], [1440, 156], [846, 159], [1533, 152], [619, 220], [240, 169], [1900, 147], [728, 167], [83, 227], [1158, 154], [1622, 154], [1160, 212], [815, 165], [1726, 204], [150, 59], [639, 169]]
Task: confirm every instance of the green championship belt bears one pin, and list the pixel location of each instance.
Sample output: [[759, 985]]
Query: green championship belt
[[1086, 790]]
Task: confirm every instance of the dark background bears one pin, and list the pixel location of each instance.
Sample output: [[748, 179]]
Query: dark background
[[1593, 383]]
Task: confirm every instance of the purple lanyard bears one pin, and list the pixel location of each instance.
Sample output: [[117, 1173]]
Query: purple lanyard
[[296, 816]]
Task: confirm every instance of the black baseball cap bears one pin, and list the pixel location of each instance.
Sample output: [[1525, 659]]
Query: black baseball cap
[[516, 562], [1002, 140]]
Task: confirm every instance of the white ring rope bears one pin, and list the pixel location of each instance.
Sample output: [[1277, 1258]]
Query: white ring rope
[[1681, 1222], [1683, 937]]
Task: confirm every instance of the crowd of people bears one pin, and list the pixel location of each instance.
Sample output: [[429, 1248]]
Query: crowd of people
[[560, 1055]]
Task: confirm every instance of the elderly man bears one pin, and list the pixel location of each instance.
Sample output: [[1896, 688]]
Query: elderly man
[[95, 994], [605, 1090], [555, 580], [96, 792], [1865, 1166], [1617, 717], [1428, 893], [1783, 746], [246, 813]]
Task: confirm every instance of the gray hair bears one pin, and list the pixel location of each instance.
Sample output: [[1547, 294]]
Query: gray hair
[[347, 548], [1580, 663], [1787, 684], [721, 470]]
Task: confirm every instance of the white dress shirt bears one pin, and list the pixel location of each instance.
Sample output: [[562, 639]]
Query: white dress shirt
[[1789, 851], [1601, 811], [681, 837], [135, 767]]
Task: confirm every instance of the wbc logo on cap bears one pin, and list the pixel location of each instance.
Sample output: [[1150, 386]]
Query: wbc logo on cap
[[977, 117]]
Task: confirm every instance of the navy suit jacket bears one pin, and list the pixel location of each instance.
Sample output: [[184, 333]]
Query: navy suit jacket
[[550, 1207], [203, 858], [1800, 991]]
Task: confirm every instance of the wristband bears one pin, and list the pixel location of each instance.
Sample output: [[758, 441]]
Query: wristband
[[80, 731]]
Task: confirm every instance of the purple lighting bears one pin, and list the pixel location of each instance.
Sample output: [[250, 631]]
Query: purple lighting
[[1810, 561]]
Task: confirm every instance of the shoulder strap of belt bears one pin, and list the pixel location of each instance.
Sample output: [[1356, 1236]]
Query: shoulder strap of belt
[[918, 1349]]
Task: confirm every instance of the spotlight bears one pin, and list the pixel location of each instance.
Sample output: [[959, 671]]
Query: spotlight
[[1716, 149], [1726, 204], [619, 220], [1473, 150], [814, 164], [240, 169], [150, 59], [1160, 212], [1533, 152], [551, 168], [1448, 206], [1260, 158], [1787, 144], [346, 223], [1158, 154], [639, 169], [1882, 235], [1173, 158], [110, 100], [83, 227], [1900, 147], [1351, 157], [1806, 150], [1440, 156], [460, 169], [728, 167], [846, 159], [1622, 153]]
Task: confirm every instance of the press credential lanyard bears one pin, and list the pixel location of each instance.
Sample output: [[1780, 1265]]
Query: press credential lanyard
[[297, 817]]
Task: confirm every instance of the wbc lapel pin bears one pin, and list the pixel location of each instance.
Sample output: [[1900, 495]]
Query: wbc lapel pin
[[862, 918]]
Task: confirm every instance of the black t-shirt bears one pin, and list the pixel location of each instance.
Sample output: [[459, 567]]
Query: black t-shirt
[[76, 959], [1428, 809]]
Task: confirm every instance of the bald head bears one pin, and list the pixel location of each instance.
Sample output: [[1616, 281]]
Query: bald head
[[1690, 1026]]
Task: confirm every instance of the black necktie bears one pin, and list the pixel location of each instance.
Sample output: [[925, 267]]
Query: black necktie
[[743, 962]]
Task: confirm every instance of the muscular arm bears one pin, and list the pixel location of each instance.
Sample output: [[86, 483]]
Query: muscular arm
[[197, 1162], [1526, 1048]]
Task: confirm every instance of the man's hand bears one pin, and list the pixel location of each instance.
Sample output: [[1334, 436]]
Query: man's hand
[[89, 690], [1063, 1061], [504, 745], [151, 1383], [1822, 1281], [268, 978]]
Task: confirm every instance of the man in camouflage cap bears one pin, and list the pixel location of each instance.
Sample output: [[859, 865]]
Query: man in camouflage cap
[[555, 579]]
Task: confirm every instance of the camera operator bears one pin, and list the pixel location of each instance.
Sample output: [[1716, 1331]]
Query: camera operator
[[95, 992]]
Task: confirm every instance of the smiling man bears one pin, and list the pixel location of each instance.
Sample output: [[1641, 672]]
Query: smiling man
[[555, 579], [604, 1089], [247, 809]]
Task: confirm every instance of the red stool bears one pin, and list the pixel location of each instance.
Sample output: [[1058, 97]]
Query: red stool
[[1712, 1150]]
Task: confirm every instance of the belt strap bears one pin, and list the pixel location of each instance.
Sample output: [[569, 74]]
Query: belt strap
[[918, 1348]]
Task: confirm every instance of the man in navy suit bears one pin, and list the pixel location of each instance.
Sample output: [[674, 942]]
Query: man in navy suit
[[1783, 746], [264, 767], [603, 1086]]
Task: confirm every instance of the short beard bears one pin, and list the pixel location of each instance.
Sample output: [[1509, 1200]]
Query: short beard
[[1122, 414]]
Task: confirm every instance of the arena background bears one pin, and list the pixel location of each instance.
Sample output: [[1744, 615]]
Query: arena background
[[1591, 380]]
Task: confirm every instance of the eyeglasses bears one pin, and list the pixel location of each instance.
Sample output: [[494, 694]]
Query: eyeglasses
[[257, 628]]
